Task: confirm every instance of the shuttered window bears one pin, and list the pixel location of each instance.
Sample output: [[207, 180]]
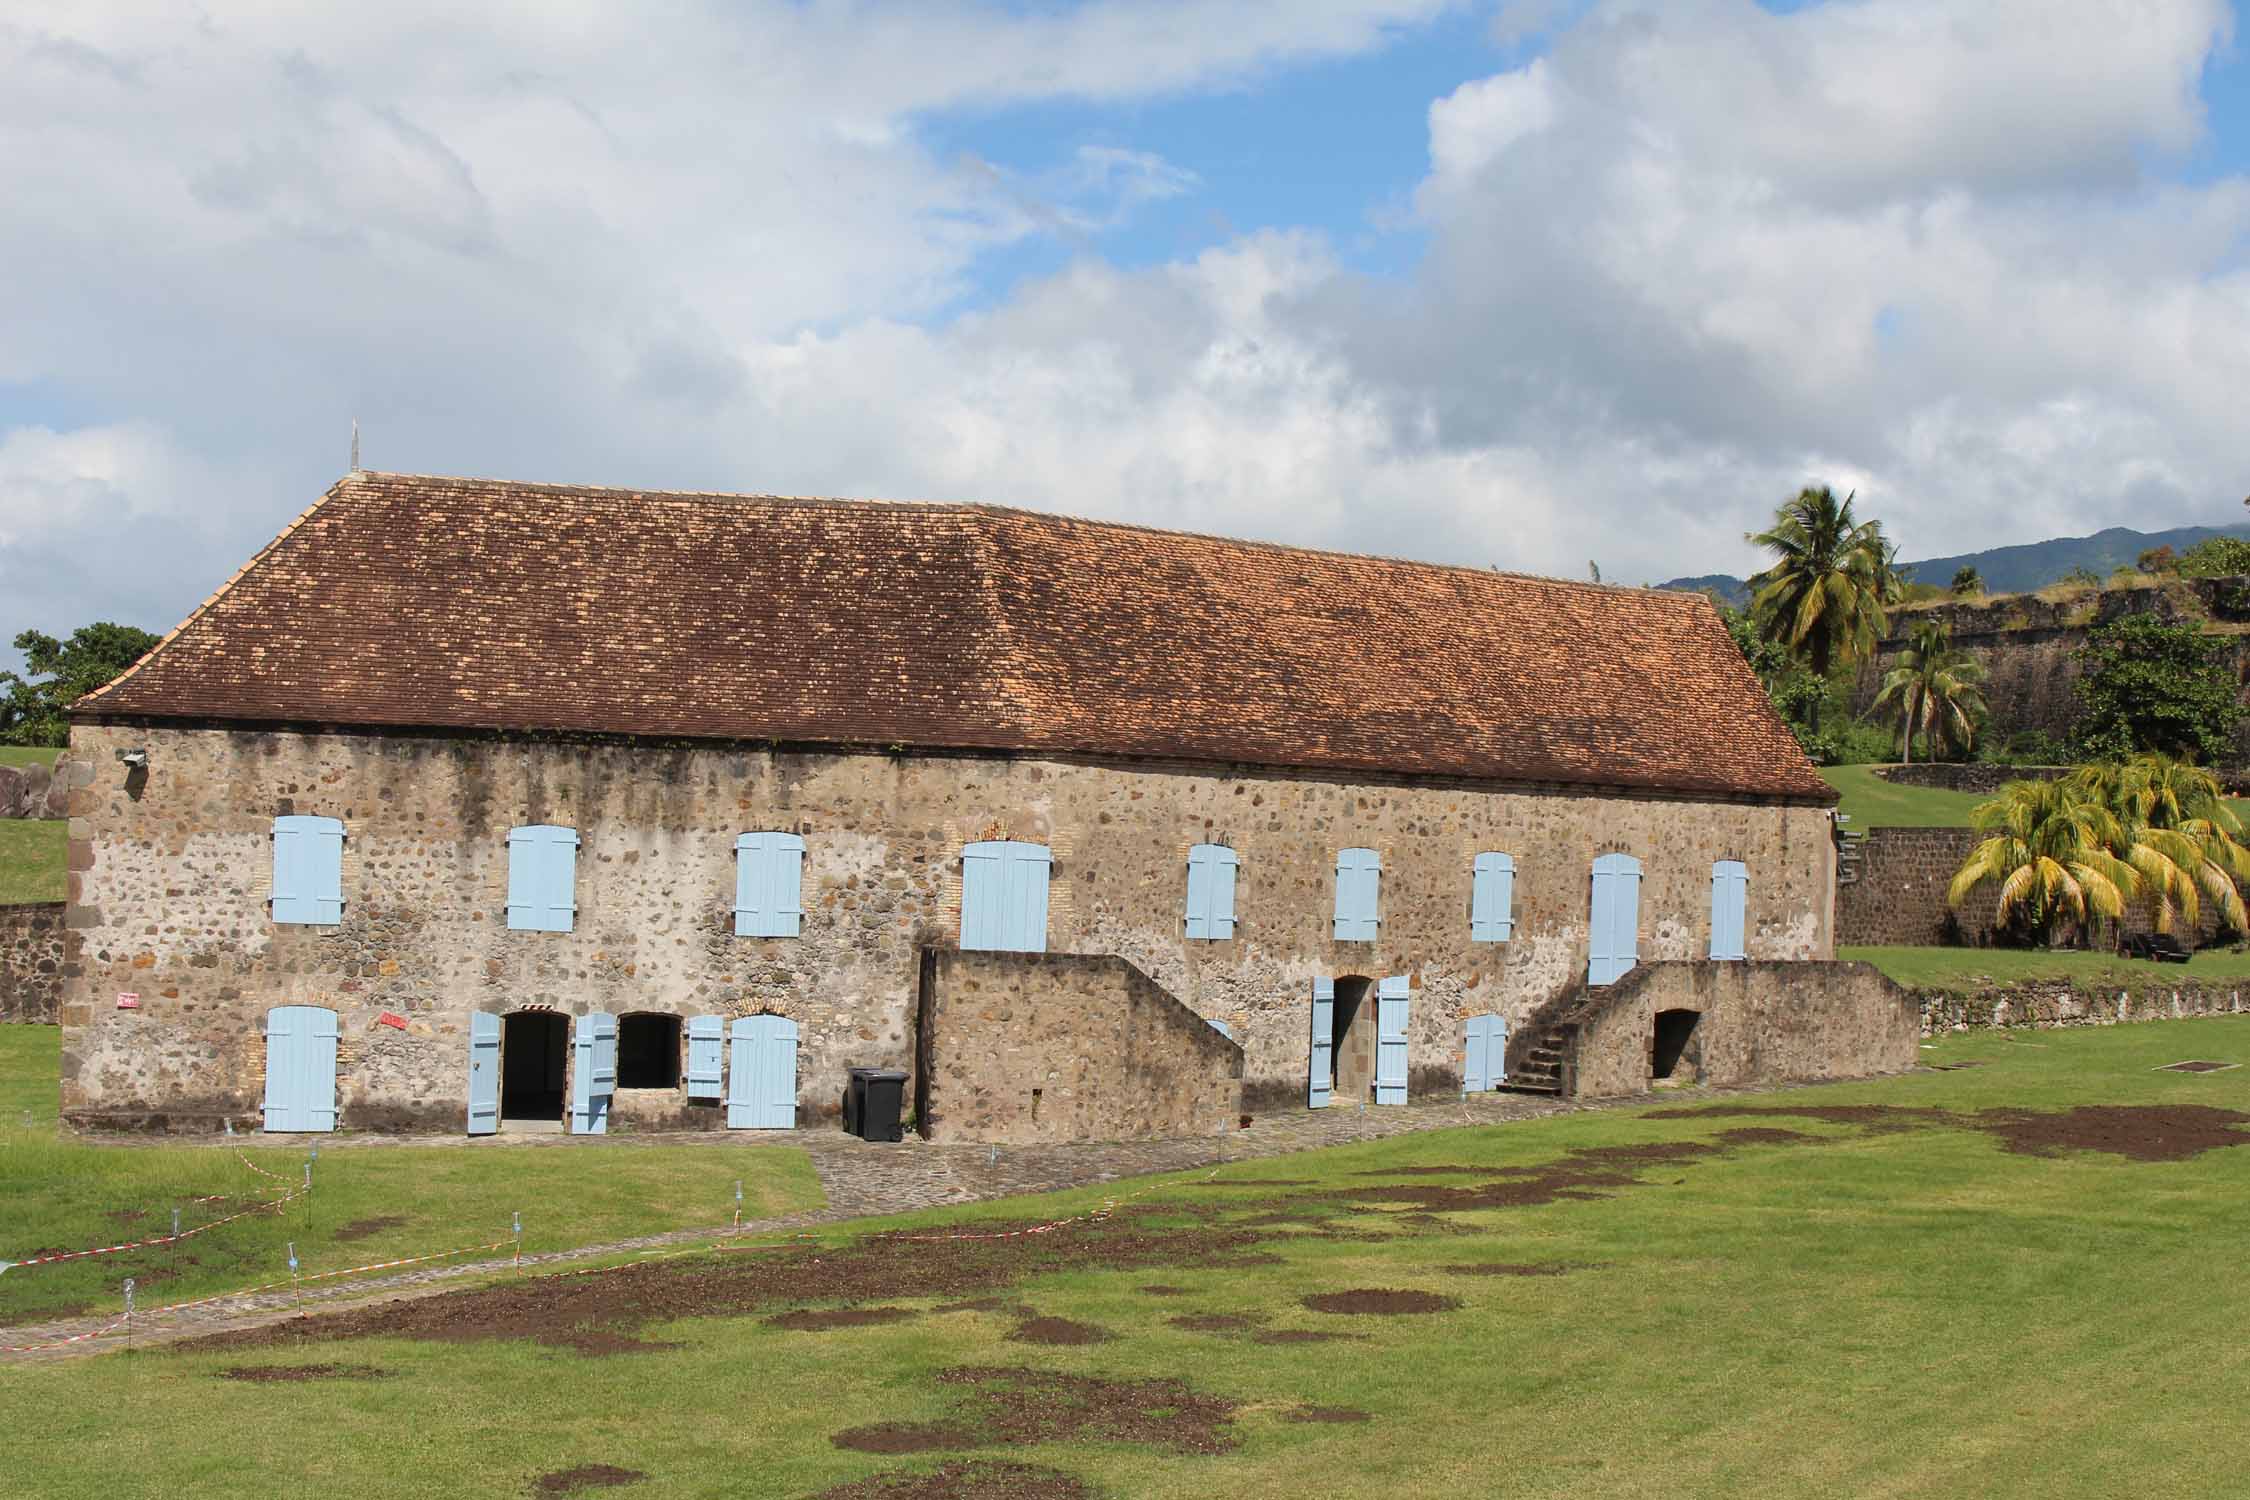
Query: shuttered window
[[1359, 876], [1004, 897], [1210, 892], [1730, 900], [542, 878], [1492, 899], [308, 871], [769, 872]]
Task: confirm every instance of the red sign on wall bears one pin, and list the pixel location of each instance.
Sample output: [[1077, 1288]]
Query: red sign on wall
[[389, 1019], [128, 1002]]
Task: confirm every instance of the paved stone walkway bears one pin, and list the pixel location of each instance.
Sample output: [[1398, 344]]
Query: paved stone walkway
[[861, 1180]]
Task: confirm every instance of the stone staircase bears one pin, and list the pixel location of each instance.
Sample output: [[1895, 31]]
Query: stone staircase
[[1539, 1050]]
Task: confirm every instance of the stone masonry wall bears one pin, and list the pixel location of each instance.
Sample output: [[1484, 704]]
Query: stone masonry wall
[[2057, 1005], [170, 868], [1020, 1047], [31, 960], [1762, 1023], [1899, 898], [37, 790]]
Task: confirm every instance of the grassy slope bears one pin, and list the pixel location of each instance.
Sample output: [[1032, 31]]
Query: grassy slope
[[1969, 969], [1873, 802], [32, 852], [24, 755], [57, 1194], [1912, 1313]]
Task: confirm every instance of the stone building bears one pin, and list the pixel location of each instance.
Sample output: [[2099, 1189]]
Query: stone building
[[467, 802]]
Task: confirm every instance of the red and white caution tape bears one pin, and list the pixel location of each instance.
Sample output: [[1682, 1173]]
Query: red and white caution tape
[[162, 1239], [76, 1338]]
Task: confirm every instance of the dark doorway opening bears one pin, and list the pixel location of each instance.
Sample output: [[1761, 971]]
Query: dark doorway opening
[[1674, 1043], [648, 1052], [1352, 1052], [534, 1047]]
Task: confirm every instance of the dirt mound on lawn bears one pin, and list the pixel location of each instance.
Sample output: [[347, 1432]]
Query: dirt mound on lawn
[[584, 1477], [999, 1406], [1381, 1302], [2137, 1132], [979, 1479]]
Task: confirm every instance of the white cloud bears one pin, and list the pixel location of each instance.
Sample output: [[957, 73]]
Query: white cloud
[[1692, 257]]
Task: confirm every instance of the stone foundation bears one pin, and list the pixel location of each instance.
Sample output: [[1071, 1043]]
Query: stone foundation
[[1022, 1047], [1754, 1024], [31, 963], [2055, 1005]]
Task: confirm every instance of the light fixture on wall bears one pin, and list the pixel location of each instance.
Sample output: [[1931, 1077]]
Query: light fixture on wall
[[134, 759]]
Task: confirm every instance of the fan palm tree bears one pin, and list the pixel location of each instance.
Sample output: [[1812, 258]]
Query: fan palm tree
[[1936, 692], [1825, 593], [2179, 833], [2051, 852]]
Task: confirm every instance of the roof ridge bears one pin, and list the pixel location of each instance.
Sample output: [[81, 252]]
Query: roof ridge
[[218, 593]]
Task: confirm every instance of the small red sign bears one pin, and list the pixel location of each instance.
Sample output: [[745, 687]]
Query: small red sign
[[388, 1019], [128, 1002]]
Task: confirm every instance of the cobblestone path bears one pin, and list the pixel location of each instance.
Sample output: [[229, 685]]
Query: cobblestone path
[[861, 1180]]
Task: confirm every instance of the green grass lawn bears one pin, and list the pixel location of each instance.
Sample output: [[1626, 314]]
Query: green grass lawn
[[1969, 969], [1872, 802], [32, 854], [24, 755], [1915, 1311], [369, 1203]]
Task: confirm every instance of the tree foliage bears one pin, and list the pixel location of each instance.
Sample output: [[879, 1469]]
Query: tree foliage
[[2146, 685], [2158, 559], [2050, 851], [1831, 580], [61, 672], [1933, 692], [2178, 833], [1968, 583], [2216, 557]]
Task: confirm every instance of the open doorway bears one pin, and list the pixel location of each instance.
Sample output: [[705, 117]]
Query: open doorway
[[648, 1052], [534, 1049], [1672, 1049], [1353, 1033]]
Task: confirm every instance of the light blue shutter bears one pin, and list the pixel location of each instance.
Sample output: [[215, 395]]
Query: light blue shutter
[[1492, 899], [542, 878], [769, 879], [308, 871], [1210, 894], [300, 1068], [484, 1073], [1027, 866], [1487, 1039], [1223, 1029], [982, 897], [1359, 874], [1323, 1073], [1730, 898], [1390, 1040], [706, 1046], [1474, 1061], [762, 1077], [1614, 919], [593, 1073]]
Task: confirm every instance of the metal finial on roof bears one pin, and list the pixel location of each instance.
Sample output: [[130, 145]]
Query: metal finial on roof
[[355, 445]]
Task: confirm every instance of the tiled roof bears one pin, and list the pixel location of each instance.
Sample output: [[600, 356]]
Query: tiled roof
[[414, 602]]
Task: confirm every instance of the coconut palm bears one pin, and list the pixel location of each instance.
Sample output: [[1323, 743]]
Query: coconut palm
[[2178, 832], [2050, 850], [1935, 691], [1824, 595]]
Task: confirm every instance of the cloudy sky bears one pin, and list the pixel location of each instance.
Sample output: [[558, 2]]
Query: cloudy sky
[[1525, 283]]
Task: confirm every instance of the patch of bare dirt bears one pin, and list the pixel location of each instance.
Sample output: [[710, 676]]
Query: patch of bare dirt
[[1058, 1331], [1381, 1302], [128, 1215], [584, 1477], [2137, 1132], [1328, 1414], [980, 1304], [1301, 1336], [998, 1406], [820, 1319], [600, 1343], [977, 1479], [363, 1229], [285, 1374]]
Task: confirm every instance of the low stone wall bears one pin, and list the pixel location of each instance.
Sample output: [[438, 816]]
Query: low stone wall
[[1974, 777], [34, 791], [1757, 1023], [31, 953], [2049, 1005], [1021, 1047]]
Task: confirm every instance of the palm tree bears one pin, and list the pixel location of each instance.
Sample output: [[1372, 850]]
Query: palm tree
[[1831, 577], [1967, 581], [2050, 850], [2179, 833], [1936, 693]]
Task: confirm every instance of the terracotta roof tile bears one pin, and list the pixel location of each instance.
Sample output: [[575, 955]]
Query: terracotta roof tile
[[407, 601]]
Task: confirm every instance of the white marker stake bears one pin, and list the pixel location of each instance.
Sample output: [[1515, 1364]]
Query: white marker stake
[[738, 1203], [294, 1285], [128, 1312], [519, 1239]]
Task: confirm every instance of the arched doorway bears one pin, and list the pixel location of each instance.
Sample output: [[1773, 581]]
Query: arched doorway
[[1672, 1048], [534, 1056]]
